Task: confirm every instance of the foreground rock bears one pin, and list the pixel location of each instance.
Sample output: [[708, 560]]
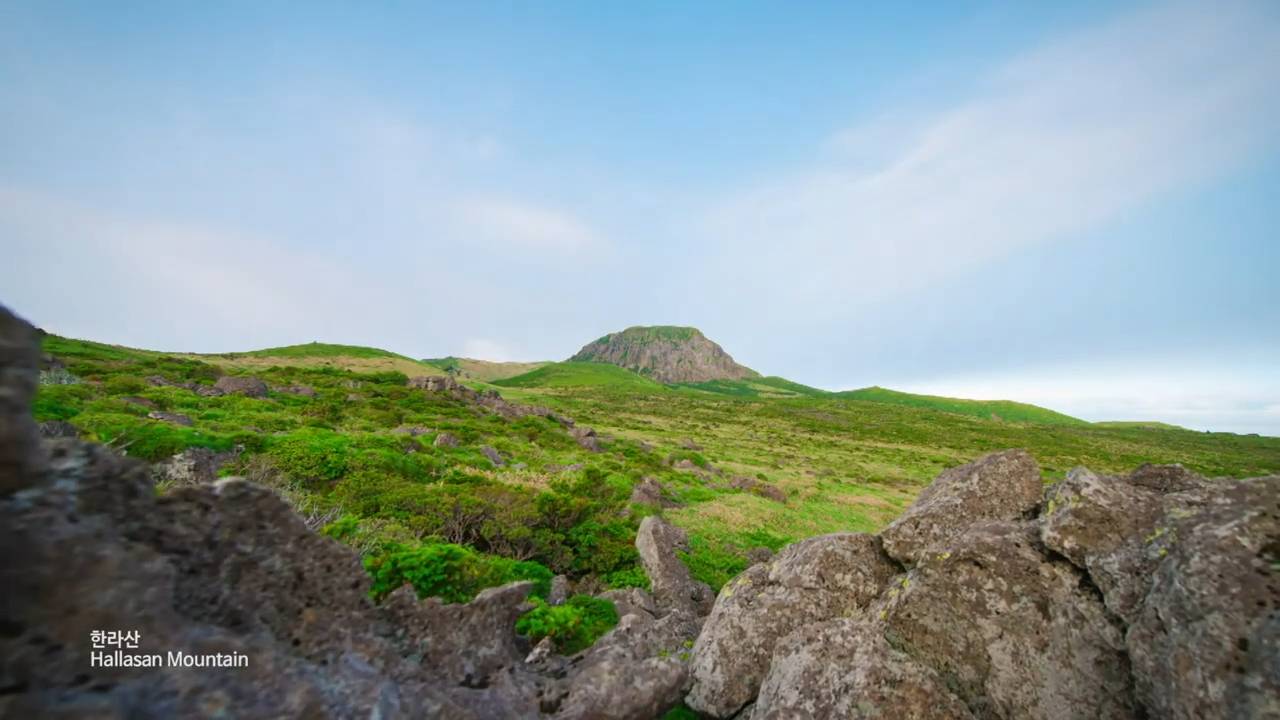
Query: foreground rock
[[999, 486], [818, 579], [845, 669], [657, 540], [1153, 595]]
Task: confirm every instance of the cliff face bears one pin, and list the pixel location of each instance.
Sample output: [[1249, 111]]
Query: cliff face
[[665, 353]]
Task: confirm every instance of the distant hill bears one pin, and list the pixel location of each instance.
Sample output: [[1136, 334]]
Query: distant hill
[[483, 370], [1006, 410], [665, 353], [762, 387], [580, 374]]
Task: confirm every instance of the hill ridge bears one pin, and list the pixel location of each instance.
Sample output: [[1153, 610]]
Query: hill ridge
[[668, 354]]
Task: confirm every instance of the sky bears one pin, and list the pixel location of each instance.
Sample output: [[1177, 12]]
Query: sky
[[1076, 205]]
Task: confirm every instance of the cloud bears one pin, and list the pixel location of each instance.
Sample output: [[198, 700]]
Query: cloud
[[486, 349], [1049, 145], [523, 226]]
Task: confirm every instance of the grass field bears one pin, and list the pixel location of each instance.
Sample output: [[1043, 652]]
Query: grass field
[[845, 461]]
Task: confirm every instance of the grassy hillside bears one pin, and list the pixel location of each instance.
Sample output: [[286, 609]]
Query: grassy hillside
[[771, 386], [1006, 410], [483, 370], [362, 453], [580, 375]]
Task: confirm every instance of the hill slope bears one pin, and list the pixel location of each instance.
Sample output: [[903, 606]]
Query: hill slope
[[483, 370], [1006, 410], [666, 353], [580, 374]]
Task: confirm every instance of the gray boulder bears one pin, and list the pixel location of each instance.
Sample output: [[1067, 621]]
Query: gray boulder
[[651, 492], [1205, 641], [1012, 633], [999, 486], [586, 438], [236, 385], [1114, 529], [631, 601], [193, 466], [844, 669], [493, 455], [817, 579], [657, 541], [446, 440]]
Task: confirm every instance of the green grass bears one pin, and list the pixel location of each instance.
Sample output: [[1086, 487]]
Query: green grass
[[317, 350], [1005, 410], [654, 332], [846, 461], [771, 386], [581, 375]]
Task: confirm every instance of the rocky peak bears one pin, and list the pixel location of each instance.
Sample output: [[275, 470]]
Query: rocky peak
[[665, 353]]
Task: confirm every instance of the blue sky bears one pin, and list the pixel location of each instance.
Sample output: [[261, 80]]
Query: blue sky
[[1075, 206]]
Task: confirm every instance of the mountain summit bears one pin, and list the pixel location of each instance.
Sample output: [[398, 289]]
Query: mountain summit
[[665, 353]]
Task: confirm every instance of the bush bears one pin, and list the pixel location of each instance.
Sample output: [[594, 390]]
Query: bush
[[573, 626], [450, 572], [311, 455]]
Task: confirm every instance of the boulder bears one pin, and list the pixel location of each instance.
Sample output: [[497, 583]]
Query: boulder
[[631, 601], [844, 669], [1012, 632], [58, 429], [175, 418], [586, 438], [657, 541], [817, 579], [559, 590], [999, 486], [236, 385], [446, 440], [651, 492], [493, 455], [19, 372], [1205, 641], [1114, 529], [637, 671], [193, 466]]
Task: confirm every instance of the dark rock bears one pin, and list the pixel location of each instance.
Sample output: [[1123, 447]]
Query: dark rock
[[657, 541], [999, 486], [193, 466], [651, 492], [1204, 643], [559, 590], [1113, 529], [631, 601], [20, 452], [494, 456], [446, 440], [844, 669], [817, 579], [586, 438], [1013, 633], [58, 429], [247, 386], [175, 418], [638, 671]]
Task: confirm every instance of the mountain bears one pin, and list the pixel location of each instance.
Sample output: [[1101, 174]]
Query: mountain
[[665, 353]]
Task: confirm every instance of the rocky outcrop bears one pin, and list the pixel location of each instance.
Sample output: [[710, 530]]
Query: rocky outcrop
[[845, 669], [651, 492], [818, 579], [665, 354], [999, 486], [193, 466], [488, 399], [236, 385], [195, 387], [1150, 595], [657, 540]]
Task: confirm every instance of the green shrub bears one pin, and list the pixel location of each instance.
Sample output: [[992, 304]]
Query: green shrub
[[450, 572], [311, 454], [60, 402], [573, 626]]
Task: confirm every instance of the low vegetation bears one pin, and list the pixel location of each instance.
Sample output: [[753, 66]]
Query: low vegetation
[[406, 475]]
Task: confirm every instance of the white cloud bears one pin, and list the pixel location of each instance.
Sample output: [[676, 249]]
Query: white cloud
[[486, 349], [1051, 144], [525, 226]]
